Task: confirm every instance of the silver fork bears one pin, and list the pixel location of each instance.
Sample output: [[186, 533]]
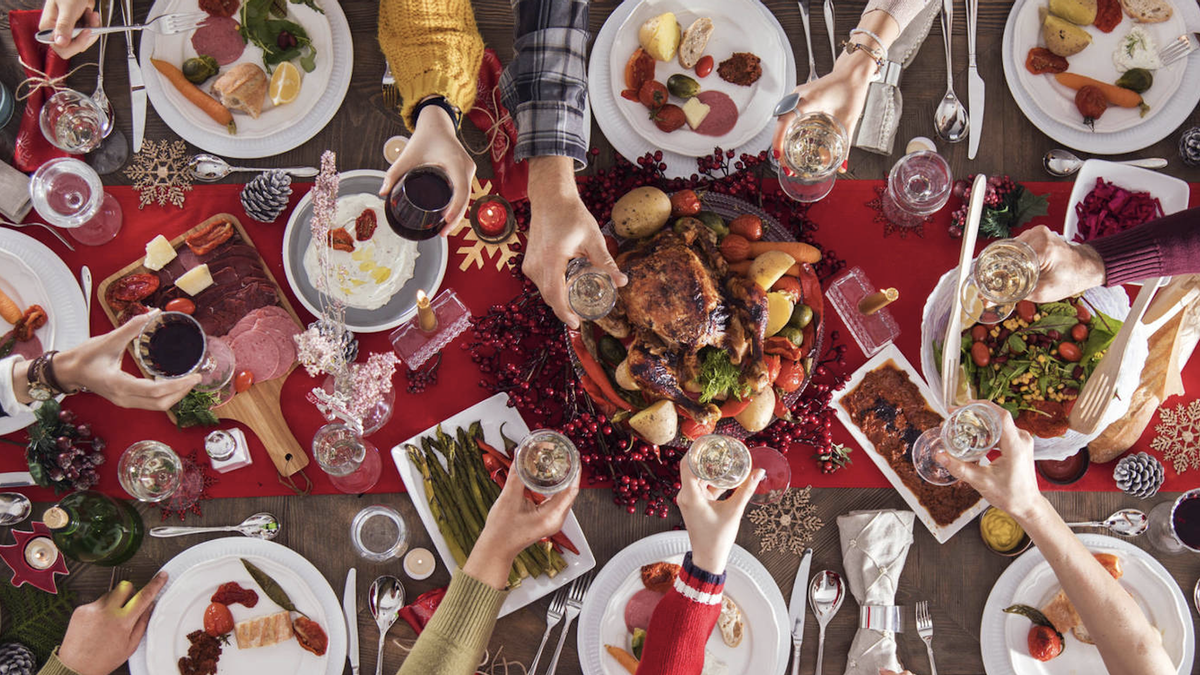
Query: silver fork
[[579, 591], [391, 99], [167, 24], [1178, 48], [554, 615], [45, 227], [925, 630]]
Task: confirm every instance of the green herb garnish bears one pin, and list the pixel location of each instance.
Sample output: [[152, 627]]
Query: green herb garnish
[[195, 410], [719, 377]]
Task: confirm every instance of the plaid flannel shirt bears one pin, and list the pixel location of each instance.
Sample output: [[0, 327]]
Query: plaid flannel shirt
[[545, 86]]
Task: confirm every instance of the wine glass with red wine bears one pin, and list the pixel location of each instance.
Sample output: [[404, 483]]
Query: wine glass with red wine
[[173, 345], [1175, 526], [416, 207]]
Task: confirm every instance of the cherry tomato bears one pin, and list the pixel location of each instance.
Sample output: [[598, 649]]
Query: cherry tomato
[[1044, 643], [704, 66], [181, 305], [1026, 310], [748, 226], [243, 381], [652, 94], [1070, 351], [1082, 312], [979, 332], [791, 376], [1079, 332], [685, 203], [217, 619], [980, 354]]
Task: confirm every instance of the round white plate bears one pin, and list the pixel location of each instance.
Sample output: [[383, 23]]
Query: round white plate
[[616, 42], [197, 572], [764, 649], [1051, 106], [54, 288], [277, 129], [1030, 581], [1112, 301], [427, 275]]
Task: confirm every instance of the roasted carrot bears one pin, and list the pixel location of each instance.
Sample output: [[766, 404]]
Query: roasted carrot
[[1119, 96], [594, 369], [211, 106], [8, 309], [627, 660], [797, 249], [743, 268]]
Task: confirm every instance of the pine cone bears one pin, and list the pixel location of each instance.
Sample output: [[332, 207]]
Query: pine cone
[[1189, 147], [1139, 475], [349, 342], [266, 196], [16, 659]]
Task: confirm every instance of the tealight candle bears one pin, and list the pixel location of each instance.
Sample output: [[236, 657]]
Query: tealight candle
[[419, 564], [425, 316], [492, 218], [392, 148], [41, 553]]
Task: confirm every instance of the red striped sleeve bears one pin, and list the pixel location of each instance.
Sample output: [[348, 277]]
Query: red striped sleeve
[[682, 622]]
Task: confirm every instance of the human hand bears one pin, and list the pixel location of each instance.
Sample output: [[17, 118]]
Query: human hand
[[712, 523], [103, 634], [841, 94], [1009, 482], [885, 671], [1064, 269], [435, 142], [62, 15], [96, 366], [560, 229]]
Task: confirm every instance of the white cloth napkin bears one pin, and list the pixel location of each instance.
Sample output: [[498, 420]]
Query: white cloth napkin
[[874, 547], [14, 194]]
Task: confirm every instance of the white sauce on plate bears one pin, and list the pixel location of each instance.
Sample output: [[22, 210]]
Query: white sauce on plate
[[378, 267], [1137, 50]]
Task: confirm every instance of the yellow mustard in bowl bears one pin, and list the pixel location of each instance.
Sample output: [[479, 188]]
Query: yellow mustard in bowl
[[1000, 531]]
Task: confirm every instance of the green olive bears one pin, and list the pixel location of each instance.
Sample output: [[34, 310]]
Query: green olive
[[1136, 79], [801, 316], [682, 86]]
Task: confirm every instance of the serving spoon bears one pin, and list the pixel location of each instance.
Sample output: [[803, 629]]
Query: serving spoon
[[826, 594], [210, 168], [1126, 522], [950, 120], [1062, 163], [387, 597], [258, 526]]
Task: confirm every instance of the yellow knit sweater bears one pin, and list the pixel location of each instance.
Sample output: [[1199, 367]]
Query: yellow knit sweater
[[433, 47]]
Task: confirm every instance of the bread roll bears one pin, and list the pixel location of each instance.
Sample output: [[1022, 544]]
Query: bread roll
[[694, 41]]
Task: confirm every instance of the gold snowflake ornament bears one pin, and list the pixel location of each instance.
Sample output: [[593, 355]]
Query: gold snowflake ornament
[[1179, 436], [479, 251], [159, 173], [787, 525]]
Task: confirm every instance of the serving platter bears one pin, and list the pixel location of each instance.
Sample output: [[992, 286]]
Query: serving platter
[[1172, 193], [197, 572], [1029, 580], [767, 642], [491, 413]]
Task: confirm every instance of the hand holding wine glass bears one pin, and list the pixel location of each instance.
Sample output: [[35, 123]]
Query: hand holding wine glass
[[712, 523], [1064, 269], [103, 634], [434, 144]]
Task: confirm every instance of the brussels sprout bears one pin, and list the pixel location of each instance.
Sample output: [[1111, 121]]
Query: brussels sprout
[[793, 334], [682, 86], [713, 222], [802, 315], [199, 68], [1137, 79], [611, 350]]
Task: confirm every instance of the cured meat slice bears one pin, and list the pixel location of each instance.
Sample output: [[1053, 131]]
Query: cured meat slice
[[257, 353], [218, 37], [723, 114], [281, 331], [640, 608], [274, 310], [263, 631]]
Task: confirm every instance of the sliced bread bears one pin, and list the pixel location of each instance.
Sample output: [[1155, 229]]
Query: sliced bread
[[1148, 11], [694, 41]]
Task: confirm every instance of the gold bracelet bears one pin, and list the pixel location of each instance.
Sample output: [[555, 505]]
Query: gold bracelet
[[875, 54]]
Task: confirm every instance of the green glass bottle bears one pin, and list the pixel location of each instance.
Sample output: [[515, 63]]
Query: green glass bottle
[[94, 528]]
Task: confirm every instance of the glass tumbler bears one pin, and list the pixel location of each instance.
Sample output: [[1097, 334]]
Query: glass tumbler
[[379, 533], [722, 461], [1175, 526], [590, 291], [353, 463], [150, 471], [67, 193], [815, 145], [967, 435], [546, 461], [918, 186]]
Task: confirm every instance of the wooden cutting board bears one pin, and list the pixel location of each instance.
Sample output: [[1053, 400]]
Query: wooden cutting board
[[258, 407]]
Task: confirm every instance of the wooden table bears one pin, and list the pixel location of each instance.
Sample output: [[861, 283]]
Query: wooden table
[[954, 577]]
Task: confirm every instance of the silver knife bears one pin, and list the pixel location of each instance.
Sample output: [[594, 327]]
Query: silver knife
[[85, 281], [137, 87], [14, 479], [798, 606], [975, 97], [831, 29], [350, 608]]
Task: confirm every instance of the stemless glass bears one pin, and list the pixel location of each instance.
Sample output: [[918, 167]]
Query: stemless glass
[[379, 534], [71, 121], [721, 461], [918, 186], [353, 464], [173, 345], [968, 434], [1003, 275], [150, 471], [67, 193], [815, 145], [1175, 526], [546, 461], [590, 291], [416, 207], [778, 474]]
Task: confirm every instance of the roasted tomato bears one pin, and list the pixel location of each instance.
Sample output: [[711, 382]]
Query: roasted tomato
[[340, 240], [1044, 643], [243, 381], [748, 226], [693, 429], [365, 224], [1025, 310], [181, 305], [705, 65], [1108, 15], [684, 203], [638, 70], [783, 347], [791, 376], [33, 319], [789, 286], [232, 592], [1041, 60], [1091, 103], [203, 241], [310, 635], [130, 310], [217, 619], [659, 576], [133, 287], [1070, 351], [774, 364], [668, 118], [733, 407], [1048, 420], [652, 94]]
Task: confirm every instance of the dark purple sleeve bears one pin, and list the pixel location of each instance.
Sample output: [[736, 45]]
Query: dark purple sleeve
[[1160, 248]]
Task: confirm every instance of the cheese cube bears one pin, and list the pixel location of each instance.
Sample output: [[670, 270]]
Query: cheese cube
[[159, 252], [695, 112], [195, 280]]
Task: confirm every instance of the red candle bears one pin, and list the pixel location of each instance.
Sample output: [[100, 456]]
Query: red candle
[[493, 219]]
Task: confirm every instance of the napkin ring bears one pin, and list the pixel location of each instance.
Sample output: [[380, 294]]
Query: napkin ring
[[882, 618]]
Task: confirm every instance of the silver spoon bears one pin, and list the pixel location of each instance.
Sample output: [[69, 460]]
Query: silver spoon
[[1063, 163], [825, 594], [950, 121], [211, 168], [101, 98], [257, 526], [14, 508], [387, 597], [1126, 522]]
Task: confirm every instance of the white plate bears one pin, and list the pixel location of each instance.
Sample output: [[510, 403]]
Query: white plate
[[941, 533], [197, 572], [1172, 193], [427, 275], [53, 287], [764, 649], [491, 413], [1030, 581], [1112, 301], [1051, 106], [606, 101], [277, 129]]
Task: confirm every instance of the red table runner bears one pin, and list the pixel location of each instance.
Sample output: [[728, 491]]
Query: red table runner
[[847, 226]]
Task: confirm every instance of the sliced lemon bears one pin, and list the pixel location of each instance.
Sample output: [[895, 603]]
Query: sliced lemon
[[285, 83]]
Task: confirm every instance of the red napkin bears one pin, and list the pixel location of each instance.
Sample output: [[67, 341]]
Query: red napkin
[[510, 179], [33, 149], [421, 610]]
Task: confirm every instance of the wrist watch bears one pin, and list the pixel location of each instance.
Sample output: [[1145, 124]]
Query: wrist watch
[[441, 102], [43, 385]]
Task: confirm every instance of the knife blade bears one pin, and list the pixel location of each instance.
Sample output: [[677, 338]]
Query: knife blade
[[85, 281], [975, 89], [14, 479], [951, 357], [798, 607], [137, 86], [350, 608]]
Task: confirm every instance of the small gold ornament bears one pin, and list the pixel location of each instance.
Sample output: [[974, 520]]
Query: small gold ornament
[[787, 525]]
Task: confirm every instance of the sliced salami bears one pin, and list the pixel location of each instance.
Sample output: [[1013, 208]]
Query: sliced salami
[[640, 608], [723, 114], [274, 310], [257, 353], [219, 38]]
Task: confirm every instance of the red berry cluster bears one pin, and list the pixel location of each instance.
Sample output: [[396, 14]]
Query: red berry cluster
[[63, 453], [421, 378], [1001, 190]]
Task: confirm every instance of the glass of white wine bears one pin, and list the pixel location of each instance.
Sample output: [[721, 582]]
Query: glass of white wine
[[590, 291], [546, 461], [967, 435], [815, 145], [721, 461], [1003, 275]]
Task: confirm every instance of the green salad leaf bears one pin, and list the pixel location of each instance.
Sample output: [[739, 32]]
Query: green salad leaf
[[259, 29]]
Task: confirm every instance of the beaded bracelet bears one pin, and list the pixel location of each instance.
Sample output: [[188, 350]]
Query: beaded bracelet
[[873, 36], [876, 56]]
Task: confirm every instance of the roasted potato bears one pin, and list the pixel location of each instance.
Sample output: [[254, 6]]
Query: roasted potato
[[660, 36], [657, 424], [624, 377], [779, 312], [1063, 37], [1078, 12], [760, 412], [641, 212]]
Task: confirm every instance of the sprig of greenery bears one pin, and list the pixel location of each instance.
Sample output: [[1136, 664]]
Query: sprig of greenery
[[719, 377], [195, 410]]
